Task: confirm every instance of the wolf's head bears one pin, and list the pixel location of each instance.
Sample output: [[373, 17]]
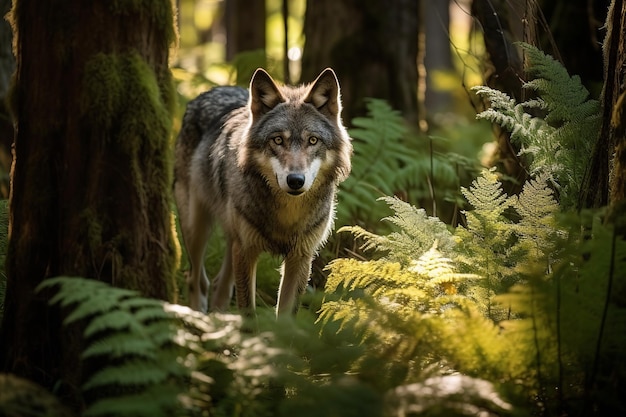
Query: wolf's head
[[295, 137]]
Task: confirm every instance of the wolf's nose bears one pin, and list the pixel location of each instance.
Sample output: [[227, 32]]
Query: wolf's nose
[[295, 181]]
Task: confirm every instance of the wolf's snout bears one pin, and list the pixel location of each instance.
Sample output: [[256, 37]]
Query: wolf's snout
[[295, 181]]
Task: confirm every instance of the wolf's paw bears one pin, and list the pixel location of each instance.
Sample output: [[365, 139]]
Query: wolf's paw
[[198, 302]]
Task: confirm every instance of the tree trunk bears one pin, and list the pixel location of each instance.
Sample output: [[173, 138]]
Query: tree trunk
[[245, 30], [90, 193], [503, 23], [7, 67], [605, 181], [615, 99], [372, 45], [437, 57]]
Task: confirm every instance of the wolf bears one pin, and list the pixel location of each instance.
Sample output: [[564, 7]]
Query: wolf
[[263, 163]]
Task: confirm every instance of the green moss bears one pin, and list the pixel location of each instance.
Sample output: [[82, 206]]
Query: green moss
[[130, 105], [102, 91], [123, 90]]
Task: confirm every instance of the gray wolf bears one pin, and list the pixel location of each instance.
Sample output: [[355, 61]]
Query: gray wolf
[[265, 165]]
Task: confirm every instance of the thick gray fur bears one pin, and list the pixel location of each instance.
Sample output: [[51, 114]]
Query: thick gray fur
[[265, 165]]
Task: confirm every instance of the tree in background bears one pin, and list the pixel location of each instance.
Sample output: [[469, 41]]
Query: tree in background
[[93, 103], [245, 31], [574, 36], [373, 47], [437, 54]]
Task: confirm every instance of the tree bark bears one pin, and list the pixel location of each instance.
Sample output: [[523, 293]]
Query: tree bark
[[245, 29], [90, 194], [245, 24], [615, 99], [373, 47], [605, 179], [7, 67], [503, 23]]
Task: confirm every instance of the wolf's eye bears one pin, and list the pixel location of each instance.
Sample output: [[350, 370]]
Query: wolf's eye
[[278, 140], [313, 140]]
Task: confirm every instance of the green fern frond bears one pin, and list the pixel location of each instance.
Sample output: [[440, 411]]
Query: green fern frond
[[418, 230], [132, 374], [439, 271], [71, 292], [120, 345], [388, 158], [135, 336], [372, 240], [560, 142], [113, 321], [486, 195], [537, 227], [150, 402], [379, 153], [513, 117], [484, 245], [371, 276], [592, 292], [417, 233], [566, 98]]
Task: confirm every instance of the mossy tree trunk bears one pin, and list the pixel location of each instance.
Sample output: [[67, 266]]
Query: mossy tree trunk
[[90, 194], [373, 47]]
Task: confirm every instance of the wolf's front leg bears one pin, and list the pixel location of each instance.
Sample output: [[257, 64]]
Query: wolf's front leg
[[295, 276], [222, 286], [244, 270]]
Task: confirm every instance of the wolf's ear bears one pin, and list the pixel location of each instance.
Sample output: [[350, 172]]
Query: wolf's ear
[[324, 94], [264, 94]]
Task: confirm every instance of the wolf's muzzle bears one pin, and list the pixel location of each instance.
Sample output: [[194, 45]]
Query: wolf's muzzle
[[296, 181]]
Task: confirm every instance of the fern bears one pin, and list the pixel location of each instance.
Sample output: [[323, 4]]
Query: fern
[[167, 355], [141, 363], [484, 246], [537, 229], [380, 151], [388, 159], [560, 142], [422, 283], [417, 233], [505, 233]]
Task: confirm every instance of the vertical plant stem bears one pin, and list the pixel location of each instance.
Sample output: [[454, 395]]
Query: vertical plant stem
[[605, 310]]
